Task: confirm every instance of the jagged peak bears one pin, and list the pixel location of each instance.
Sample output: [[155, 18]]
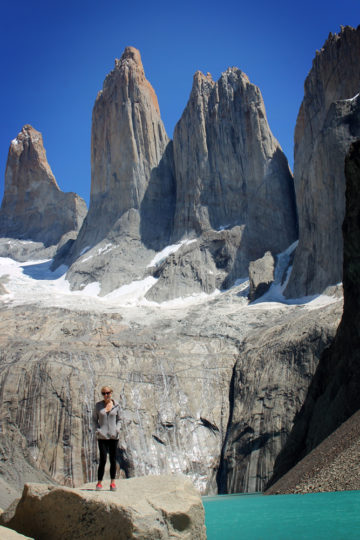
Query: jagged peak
[[128, 67], [130, 54], [333, 37], [29, 137], [27, 132]]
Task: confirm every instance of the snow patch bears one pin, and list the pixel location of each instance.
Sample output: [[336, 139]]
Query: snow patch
[[275, 294], [92, 289], [133, 292], [105, 249], [84, 250], [353, 98], [168, 250]]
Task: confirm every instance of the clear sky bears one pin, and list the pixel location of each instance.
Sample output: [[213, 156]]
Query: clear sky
[[55, 55]]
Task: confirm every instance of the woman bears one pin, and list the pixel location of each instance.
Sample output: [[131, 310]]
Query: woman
[[107, 418]]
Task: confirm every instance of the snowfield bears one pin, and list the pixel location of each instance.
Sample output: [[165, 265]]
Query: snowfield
[[33, 282]]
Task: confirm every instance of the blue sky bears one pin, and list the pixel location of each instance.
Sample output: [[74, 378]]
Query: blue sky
[[55, 55]]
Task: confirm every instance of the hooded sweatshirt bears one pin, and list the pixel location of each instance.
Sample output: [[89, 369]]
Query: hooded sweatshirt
[[107, 423]]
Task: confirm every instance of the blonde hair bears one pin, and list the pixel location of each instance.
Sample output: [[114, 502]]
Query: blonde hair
[[106, 387]]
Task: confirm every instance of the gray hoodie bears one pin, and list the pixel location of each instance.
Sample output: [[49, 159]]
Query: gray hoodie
[[107, 423]]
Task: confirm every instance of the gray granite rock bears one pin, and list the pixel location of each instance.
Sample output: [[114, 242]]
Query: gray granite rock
[[154, 507], [261, 275], [223, 180], [171, 369], [271, 378], [128, 141], [230, 170], [327, 123], [334, 392], [33, 206], [132, 184], [9, 534]]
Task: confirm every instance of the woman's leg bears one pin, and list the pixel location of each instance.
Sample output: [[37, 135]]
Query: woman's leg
[[112, 456], [102, 461]]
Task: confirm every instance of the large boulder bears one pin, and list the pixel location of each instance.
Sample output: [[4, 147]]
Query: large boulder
[[152, 507], [9, 534], [327, 123], [34, 207], [261, 275]]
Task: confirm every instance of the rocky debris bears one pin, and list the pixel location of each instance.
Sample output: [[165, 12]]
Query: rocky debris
[[161, 507], [230, 170], [334, 391], [328, 121], [8, 534], [261, 275], [33, 207], [332, 466]]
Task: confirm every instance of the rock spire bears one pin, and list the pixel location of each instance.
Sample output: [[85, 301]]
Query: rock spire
[[128, 140], [228, 160], [34, 207]]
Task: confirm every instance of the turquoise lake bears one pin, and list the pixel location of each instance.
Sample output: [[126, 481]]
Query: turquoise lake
[[319, 516]]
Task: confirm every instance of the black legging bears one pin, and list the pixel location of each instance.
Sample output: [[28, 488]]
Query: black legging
[[104, 447]]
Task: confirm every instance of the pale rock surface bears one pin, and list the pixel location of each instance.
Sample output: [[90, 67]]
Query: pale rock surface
[[9, 534], [234, 189], [131, 180], [328, 121], [171, 368], [223, 181], [33, 206], [271, 378], [212, 262], [261, 275], [230, 170], [153, 507]]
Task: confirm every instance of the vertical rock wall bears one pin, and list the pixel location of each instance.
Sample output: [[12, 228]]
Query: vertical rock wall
[[128, 140], [334, 392], [327, 123], [230, 170]]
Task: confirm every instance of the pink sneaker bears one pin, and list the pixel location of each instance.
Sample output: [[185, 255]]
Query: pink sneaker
[[98, 486], [112, 486]]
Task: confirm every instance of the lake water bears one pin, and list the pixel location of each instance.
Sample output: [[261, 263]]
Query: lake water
[[316, 516]]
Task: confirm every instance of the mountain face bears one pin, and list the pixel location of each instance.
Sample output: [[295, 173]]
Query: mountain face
[[128, 140], [234, 190], [209, 388], [334, 391], [132, 182], [327, 123], [221, 192], [228, 160], [34, 207]]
